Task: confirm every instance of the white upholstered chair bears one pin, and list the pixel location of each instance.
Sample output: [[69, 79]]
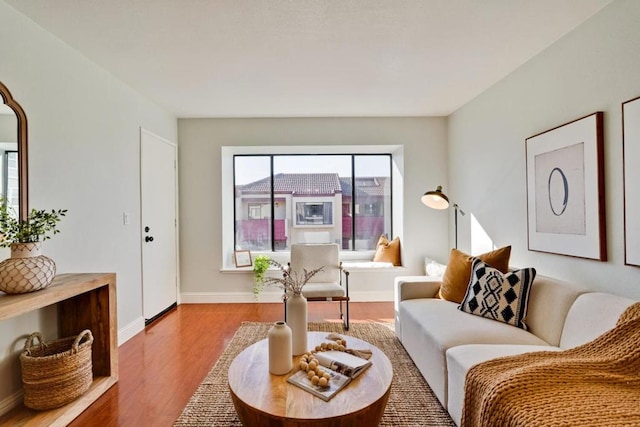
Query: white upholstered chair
[[326, 285]]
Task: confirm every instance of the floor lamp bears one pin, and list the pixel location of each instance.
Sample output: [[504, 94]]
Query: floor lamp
[[438, 200]]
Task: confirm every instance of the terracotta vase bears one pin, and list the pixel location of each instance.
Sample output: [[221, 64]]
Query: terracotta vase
[[27, 270], [297, 321], [280, 353]]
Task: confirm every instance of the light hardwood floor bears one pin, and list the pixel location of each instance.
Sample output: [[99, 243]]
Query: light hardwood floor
[[161, 367]]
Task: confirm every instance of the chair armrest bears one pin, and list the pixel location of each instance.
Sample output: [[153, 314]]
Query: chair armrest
[[412, 287], [346, 276]]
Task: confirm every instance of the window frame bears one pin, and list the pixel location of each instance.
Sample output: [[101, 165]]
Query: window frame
[[396, 153]]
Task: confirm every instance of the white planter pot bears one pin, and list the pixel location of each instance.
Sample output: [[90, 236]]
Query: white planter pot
[[27, 270], [297, 321]]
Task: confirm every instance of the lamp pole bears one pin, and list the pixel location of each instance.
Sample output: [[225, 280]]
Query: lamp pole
[[457, 208], [438, 200]]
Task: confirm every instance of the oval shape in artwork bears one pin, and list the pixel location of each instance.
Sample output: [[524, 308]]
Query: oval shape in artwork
[[558, 187]]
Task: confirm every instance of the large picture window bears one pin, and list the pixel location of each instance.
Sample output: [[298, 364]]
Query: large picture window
[[283, 199]]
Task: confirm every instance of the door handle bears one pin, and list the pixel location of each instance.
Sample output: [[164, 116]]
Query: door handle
[[148, 238]]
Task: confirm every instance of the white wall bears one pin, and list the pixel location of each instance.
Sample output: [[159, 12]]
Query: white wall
[[593, 68], [201, 253], [83, 156], [8, 124]]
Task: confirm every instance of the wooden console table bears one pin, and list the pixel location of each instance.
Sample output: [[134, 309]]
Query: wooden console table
[[84, 301]]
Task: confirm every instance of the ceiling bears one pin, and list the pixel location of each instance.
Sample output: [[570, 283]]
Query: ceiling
[[309, 58]]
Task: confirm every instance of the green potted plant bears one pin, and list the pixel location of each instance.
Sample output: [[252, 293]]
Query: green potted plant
[[27, 270], [260, 266]]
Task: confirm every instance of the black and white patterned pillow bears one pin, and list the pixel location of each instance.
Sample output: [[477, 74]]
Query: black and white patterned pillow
[[498, 296]]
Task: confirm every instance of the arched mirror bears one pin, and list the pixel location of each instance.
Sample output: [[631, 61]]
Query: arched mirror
[[13, 154]]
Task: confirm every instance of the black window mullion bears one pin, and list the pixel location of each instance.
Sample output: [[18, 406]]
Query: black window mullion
[[353, 202], [273, 207], [390, 197], [235, 213]]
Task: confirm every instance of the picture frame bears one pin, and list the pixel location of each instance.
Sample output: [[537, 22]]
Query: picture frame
[[565, 189], [242, 258], [631, 177]]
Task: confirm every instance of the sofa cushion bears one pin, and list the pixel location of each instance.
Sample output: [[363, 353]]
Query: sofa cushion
[[431, 326], [461, 358], [498, 296], [549, 303], [458, 272], [591, 315]]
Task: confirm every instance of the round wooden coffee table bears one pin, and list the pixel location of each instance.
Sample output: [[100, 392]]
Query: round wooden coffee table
[[262, 399]]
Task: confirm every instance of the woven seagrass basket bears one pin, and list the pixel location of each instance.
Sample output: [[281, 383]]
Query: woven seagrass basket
[[57, 372]]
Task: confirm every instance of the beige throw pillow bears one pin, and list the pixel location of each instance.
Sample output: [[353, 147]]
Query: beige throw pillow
[[456, 276]]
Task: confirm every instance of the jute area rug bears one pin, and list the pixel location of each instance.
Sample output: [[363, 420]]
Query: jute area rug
[[411, 403]]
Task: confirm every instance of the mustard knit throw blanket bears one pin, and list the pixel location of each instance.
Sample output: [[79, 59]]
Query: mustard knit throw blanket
[[595, 384]]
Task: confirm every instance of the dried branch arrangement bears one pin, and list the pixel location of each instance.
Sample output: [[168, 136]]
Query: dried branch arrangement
[[291, 281]]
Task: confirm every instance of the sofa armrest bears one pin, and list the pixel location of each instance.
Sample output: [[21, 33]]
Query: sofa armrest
[[412, 287]]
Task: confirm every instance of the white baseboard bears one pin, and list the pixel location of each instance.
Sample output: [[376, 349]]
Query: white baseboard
[[236, 297], [222, 297], [128, 331], [10, 402], [371, 296]]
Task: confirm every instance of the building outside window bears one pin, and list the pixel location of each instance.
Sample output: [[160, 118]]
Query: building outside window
[[281, 200], [255, 211], [9, 188], [314, 213], [370, 209]]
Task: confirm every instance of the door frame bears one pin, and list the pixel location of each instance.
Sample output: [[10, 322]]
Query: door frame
[[176, 213]]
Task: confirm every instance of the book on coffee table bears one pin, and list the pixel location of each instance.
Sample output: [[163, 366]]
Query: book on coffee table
[[343, 363], [342, 367]]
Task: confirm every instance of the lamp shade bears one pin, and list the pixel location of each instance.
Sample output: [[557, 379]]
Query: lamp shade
[[436, 199]]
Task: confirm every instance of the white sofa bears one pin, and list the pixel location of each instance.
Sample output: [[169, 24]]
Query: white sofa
[[445, 342]]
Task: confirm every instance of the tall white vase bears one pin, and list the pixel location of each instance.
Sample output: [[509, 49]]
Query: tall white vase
[[297, 321], [280, 354]]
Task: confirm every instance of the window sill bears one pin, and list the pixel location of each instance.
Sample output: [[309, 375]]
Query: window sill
[[244, 269], [236, 270], [370, 266], [351, 266]]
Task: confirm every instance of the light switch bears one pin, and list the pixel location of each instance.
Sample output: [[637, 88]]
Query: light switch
[[125, 218]]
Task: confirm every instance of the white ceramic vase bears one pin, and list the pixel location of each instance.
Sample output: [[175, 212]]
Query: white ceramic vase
[[280, 354], [27, 270], [297, 321]]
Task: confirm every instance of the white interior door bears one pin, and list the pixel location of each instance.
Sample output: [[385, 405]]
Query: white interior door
[[159, 223]]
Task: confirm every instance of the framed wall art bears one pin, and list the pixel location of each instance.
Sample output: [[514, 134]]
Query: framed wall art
[[565, 189], [631, 174], [242, 258]]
